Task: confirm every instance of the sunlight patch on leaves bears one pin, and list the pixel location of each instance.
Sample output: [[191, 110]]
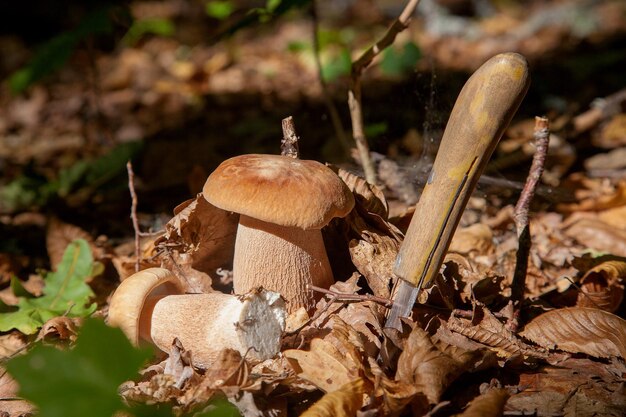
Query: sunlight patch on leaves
[[65, 292]]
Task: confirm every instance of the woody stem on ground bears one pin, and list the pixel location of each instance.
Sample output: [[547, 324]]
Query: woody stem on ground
[[520, 216], [354, 93]]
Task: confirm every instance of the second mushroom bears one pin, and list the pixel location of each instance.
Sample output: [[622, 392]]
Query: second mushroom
[[283, 203]]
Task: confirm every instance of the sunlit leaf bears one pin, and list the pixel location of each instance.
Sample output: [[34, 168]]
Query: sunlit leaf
[[219, 9], [345, 402], [579, 330], [65, 292]]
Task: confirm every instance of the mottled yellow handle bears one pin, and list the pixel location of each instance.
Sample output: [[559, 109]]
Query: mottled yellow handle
[[482, 111]]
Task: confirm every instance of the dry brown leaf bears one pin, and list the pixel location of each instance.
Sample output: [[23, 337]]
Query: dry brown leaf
[[60, 329], [202, 239], [613, 133], [475, 238], [368, 196], [596, 195], [322, 365], [615, 217], [343, 402], [488, 404], [10, 402], [59, 235], [330, 362], [576, 387], [597, 235], [11, 343], [492, 333], [424, 366], [579, 330], [603, 286], [374, 256]]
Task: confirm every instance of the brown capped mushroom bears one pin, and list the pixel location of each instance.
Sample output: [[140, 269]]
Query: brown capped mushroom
[[148, 308], [283, 203]]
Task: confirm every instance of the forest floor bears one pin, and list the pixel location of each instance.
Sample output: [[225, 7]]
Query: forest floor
[[178, 104]]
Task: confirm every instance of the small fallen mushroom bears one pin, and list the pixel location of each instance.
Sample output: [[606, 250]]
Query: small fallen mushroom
[[149, 307], [283, 203]]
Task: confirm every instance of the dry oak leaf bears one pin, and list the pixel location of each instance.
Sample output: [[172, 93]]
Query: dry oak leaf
[[492, 333], [203, 238], [331, 362], [603, 286], [60, 234], [368, 196], [489, 404], [423, 365], [476, 238], [579, 330], [343, 402]]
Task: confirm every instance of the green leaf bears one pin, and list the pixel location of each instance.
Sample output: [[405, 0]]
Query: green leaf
[[219, 9], [65, 292], [142, 27], [82, 381], [398, 62], [375, 129], [337, 66]]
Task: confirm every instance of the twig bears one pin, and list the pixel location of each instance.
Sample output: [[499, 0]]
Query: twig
[[354, 94], [330, 105], [352, 297], [542, 138], [133, 212], [289, 143], [336, 297]]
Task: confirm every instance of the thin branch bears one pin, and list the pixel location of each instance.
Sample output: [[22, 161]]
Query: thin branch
[[328, 101], [133, 212], [342, 297], [542, 138], [354, 94]]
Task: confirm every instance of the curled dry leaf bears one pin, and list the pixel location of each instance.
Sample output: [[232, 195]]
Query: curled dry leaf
[[202, 239], [343, 402], [60, 328], [489, 404], [368, 196], [423, 365], [374, 256], [492, 333], [603, 286], [579, 330]]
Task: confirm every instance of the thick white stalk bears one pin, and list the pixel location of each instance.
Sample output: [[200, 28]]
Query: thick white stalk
[[281, 259]]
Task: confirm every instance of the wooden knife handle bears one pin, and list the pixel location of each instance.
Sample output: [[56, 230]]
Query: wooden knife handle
[[480, 115]]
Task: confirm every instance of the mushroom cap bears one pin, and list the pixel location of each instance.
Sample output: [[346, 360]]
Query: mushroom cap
[[132, 302], [280, 190]]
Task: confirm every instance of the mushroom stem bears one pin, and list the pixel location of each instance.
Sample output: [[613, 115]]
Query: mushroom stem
[[282, 259], [206, 324]]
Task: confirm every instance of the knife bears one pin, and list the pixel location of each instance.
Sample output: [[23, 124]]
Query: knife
[[480, 115]]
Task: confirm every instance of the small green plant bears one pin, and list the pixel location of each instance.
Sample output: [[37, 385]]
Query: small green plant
[[83, 177], [82, 381], [396, 62], [142, 27], [221, 9], [65, 292]]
